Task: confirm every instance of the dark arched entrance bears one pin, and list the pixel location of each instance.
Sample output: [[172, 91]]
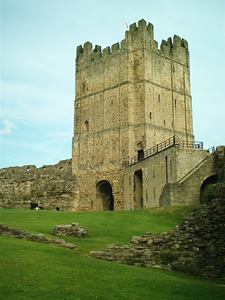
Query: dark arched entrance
[[138, 189], [210, 180], [104, 196]]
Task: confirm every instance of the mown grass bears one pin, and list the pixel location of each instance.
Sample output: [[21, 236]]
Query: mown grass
[[31, 270]]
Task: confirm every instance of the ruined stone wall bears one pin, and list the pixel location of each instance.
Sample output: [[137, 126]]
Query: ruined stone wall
[[73, 230], [50, 186], [39, 238], [220, 152], [196, 246], [132, 95]]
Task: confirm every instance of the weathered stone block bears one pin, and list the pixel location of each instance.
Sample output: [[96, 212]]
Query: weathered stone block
[[73, 230]]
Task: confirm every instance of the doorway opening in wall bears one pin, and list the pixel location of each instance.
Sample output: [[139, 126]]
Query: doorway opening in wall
[[138, 189], [104, 196], [140, 155], [209, 181], [140, 151]]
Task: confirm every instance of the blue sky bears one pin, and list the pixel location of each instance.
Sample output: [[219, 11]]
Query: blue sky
[[38, 47]]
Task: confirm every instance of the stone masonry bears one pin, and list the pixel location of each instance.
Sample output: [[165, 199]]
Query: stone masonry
[[128, 98], [39, 238], [196, 246], [48, 186], [73, 230], [174, 176]]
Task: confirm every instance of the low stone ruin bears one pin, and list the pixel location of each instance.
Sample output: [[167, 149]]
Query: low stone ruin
[[196, 246], [73, 230], [40, 238]]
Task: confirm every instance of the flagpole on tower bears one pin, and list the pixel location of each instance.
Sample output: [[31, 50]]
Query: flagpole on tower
[[125, 25]]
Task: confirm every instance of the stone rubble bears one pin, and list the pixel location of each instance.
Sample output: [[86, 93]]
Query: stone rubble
[[73, 230], [196, 246], [40, 238]]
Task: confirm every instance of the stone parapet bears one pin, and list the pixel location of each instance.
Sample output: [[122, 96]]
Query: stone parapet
[[138, 36]]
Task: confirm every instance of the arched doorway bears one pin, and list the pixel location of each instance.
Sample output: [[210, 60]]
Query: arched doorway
[[210, 180], [104, 196]]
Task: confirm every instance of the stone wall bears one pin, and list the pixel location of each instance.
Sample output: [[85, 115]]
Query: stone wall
[[196, 246], [171, 177], [40, 238], [73, 230], [50, 186], [220, 151], [189, 187]]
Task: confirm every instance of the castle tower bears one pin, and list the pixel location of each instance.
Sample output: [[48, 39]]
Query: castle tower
[[128, 98]]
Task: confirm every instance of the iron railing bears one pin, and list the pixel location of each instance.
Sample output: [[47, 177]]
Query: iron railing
[[212, 150], [171, 142]]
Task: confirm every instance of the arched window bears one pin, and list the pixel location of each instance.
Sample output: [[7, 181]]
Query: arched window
[[86, 126]]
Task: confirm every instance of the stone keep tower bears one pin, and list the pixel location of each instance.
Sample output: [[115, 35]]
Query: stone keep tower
[[129, 98]]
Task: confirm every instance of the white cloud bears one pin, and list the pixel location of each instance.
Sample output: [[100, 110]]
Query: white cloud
[[8, 126]]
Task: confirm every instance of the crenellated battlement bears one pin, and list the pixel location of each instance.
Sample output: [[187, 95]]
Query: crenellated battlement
[[137, 37], [129, 97]]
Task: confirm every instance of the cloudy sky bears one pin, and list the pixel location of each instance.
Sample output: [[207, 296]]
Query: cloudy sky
[[38, 47]]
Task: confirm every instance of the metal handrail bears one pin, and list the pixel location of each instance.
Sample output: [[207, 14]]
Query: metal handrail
[[173, 141], [211, 150]]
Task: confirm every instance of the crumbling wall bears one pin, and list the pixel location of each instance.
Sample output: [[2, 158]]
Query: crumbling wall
[[40, 238], [197, 246], [73, 230], [50, 186]]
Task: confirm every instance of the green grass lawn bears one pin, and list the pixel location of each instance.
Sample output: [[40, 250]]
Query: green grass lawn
[[31, 270]]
